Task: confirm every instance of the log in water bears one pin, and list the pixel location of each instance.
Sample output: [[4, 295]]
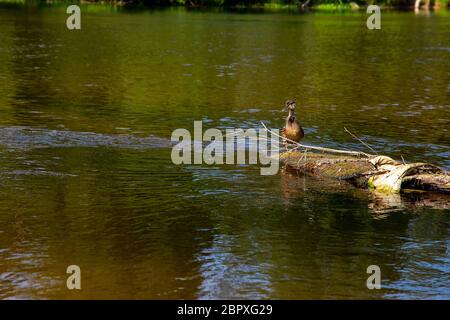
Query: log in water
[[376, 172]]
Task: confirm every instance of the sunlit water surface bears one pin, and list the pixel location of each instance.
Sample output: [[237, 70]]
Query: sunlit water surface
[[86, 176]]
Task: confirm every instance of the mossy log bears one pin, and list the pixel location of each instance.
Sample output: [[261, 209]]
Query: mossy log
[[377, 172]]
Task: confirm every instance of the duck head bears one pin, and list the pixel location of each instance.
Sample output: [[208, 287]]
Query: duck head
[[290, 106]]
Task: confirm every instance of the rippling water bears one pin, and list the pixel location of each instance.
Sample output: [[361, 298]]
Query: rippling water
[[86, 176]]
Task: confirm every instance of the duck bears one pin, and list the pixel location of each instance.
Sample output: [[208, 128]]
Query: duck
[[292, 129]]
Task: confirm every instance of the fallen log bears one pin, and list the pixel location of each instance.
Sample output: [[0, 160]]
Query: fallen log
[[381, 173], [368, 171]]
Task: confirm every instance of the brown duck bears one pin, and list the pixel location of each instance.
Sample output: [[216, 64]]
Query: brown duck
[[292, 129]]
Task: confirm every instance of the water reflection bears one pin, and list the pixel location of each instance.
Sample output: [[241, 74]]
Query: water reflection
[[86, 179], [192, 241]]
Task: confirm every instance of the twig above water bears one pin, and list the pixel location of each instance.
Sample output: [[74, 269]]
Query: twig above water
[[348, 152], [403, 159], [354, 136]]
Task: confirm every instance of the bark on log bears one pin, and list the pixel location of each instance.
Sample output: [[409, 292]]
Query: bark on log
[[428, 182]]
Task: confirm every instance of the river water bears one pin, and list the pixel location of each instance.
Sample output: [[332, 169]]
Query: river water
[[86, 176]]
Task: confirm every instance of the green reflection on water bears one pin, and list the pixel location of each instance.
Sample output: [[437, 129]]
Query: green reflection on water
[[140, 227]]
